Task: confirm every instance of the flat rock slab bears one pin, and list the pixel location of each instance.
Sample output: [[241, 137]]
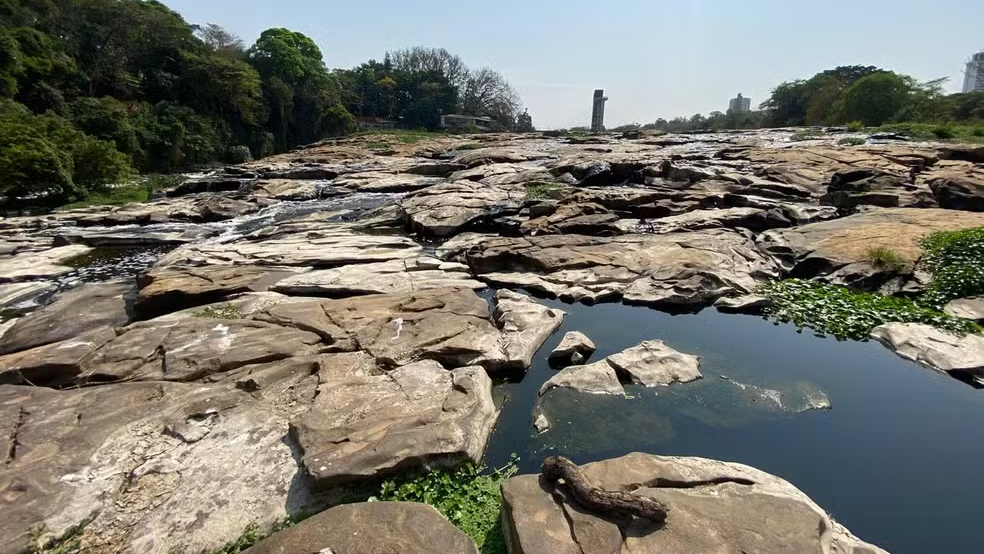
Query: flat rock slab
[[731, 517], [39, 265], [371, 528], [12, 294], [367, 424], [750, 304], [73, 313], [397, 276], [185, 350], [169, 289], [452, 326], [385, 182], [935, 349], [676, 271], [153, 467], [596, 378], [839, 249], [967, 308], [318, 244]]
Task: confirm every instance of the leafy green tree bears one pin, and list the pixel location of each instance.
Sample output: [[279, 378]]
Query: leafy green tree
[[877, 98]]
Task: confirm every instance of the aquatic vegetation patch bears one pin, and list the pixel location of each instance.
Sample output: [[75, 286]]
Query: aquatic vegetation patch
[[956, 260]]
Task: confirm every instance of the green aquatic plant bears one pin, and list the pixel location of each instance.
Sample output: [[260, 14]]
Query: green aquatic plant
[[956, 260], [849, 315], [469, 496]]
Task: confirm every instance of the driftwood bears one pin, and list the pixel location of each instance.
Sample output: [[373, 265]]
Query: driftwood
[[563, 474]]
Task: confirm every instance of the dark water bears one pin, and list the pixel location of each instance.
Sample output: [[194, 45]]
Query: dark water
[[896, 459]]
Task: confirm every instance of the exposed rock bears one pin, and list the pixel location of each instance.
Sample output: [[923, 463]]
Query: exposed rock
[[167, 289], [73, 313], [967, 308], [482, 156], [753, 219], [959, 189], [39, 265], [965, 152], [12, 294], [285, 189], [367, 424], [443, 210], [152, 467], [854, 187], [574, 218], [596, 378], [737, 509], [57, 364], [654, 364], [385, 182], [318, 244], [371, 528], [211, 183], [397, 276], [935, 349], [317, 172], [573, 343], [673, 271], [749, 304], [838, 250]]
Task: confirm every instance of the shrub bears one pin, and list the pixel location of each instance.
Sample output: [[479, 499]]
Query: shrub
[[541, 191], [238, 154], [886, 259], [852, 141], [227, 311], [944, 132], [804, 135], [978, 132], [469, 496], [837, 311], [855, 126]]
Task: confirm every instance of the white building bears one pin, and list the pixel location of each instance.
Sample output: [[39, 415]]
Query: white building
[[740, 104], [974, 76]]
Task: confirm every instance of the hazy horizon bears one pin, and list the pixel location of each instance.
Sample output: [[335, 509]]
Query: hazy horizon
[[653, 59]]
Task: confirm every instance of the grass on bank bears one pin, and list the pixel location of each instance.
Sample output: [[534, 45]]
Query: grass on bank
[[139, 190], [542, 191], [403, 135], [936, 131], [954, 258], [227, 311]]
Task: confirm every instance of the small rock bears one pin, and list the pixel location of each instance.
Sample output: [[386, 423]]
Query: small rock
[[596, 378], [653, 364], [574, 348], [934, 348], [967, 308], [749, 304]]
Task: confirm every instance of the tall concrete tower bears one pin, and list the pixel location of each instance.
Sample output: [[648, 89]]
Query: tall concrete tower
[[598, 111], [974, 76]]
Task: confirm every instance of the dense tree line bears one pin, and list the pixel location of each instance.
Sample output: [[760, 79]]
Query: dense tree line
[[91, 90], [863, 95]]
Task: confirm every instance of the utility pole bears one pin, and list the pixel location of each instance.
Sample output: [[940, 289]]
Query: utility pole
[[598, 111]]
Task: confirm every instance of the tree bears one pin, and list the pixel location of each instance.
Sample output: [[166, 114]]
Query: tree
[[424, 59], [487, 93], [877, 98], [524, 122], [219, 40]]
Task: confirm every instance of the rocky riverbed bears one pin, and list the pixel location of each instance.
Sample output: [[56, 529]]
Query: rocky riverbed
[[262, 339]]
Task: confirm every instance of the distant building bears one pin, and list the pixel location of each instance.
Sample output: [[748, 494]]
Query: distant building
[[974, 75], [376, 123], [464, 122], [740, 104], [598, 111]]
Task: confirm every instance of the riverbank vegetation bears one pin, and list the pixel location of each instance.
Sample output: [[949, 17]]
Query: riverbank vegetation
[[94, 90], [954, 258], [856, 97]]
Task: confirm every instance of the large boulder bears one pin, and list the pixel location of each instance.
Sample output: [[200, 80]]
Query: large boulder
[[153, 467], [935, 349], [653, 364], [574, 348], [365, 424], [371, 528], [677, 271], [714, 508], [840, 250], [959, 188], [73, 313], [854, 187], [596, 378], [444, 210]]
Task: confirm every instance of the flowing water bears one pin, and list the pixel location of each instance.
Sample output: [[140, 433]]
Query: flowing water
[[896, 459]]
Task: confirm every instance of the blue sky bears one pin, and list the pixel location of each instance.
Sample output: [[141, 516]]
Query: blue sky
[[654, 58]]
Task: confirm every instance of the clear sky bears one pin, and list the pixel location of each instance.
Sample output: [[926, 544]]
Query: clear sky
[[654, 58]]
